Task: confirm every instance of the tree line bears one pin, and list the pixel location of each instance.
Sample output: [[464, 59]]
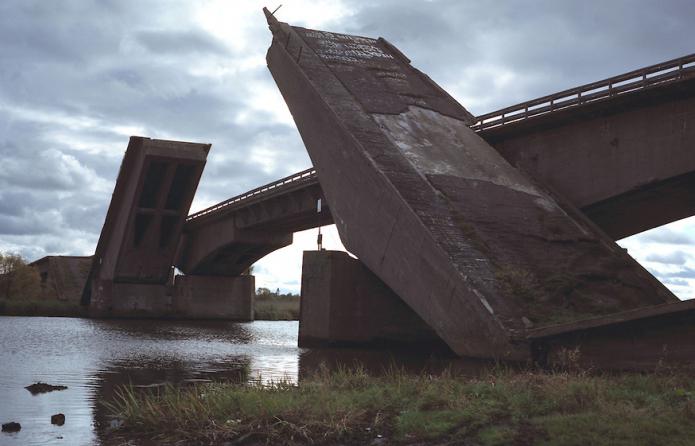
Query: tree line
[[265, 292], [18, 280]]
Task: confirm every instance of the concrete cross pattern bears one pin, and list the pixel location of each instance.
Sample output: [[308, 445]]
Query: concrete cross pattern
[[490, 236]]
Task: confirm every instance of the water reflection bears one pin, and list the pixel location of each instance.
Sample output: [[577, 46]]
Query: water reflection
[[94, 357]]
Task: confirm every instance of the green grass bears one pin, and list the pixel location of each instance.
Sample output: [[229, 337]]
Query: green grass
[[276, 308], [350, 407], [41, 307]]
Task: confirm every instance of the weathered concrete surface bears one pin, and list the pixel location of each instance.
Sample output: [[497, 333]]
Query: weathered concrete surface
[[640, 339], [151, 199], [473, 246], [133, 300], [185, 297], [63, 277], [205, 297], [628, 163], [219, 248], [343, 303]]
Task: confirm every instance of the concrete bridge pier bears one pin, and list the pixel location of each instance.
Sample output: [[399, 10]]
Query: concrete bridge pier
[[182, 297], [345, 304], [214, 297], [133, 300]]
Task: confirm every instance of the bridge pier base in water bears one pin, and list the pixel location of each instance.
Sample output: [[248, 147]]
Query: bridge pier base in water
[[215, 297], [343, 303], [186, 297], [132, 299]]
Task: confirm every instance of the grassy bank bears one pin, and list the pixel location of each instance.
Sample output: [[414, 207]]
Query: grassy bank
[[276, 308], [349, 407], [266, 308], [41, 307]]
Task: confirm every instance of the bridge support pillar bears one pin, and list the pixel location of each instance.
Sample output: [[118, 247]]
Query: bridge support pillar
[[187, 297], [132, 299], [343, 303], [214, 297]]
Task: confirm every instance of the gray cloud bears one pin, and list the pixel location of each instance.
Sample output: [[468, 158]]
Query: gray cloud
[[676, 282], [180, 42], [672, 258], [667, 236], [541, 46], [78, 77], [682, 273]]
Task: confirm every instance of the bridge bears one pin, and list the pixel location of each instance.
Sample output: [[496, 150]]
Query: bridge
[[618, 149], [229, 237], [485, 233]]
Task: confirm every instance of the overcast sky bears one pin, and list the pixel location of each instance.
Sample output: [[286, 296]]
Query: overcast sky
[[78, 77]]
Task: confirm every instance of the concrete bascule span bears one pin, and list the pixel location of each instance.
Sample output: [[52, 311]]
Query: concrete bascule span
[[496, 262], [131, 273]]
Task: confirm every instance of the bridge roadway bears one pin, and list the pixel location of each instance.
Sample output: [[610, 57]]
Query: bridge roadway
[[622, 150], [229, 237]]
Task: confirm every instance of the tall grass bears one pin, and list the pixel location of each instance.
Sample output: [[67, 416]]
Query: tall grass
[[276, 308], [348, 406]]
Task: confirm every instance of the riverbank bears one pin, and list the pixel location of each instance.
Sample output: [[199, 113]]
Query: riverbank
[[42, 307], [276, 308], [349, 407], [265, 308]]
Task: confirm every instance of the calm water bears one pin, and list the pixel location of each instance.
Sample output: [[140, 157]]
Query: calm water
[[93, 357]]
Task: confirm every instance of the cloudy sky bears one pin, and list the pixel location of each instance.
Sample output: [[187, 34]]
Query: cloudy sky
[[78, 77]]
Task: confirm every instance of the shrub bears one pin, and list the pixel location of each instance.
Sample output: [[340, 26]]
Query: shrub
[[17, 279]]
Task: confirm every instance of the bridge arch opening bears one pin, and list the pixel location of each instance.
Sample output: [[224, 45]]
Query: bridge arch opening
[[282, 269], [665, 251]]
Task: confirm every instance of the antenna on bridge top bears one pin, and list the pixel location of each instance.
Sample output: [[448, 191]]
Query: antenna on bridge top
[[270, 16], [274, 24]]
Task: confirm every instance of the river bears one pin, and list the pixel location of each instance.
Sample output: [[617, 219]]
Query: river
[[93, 357]]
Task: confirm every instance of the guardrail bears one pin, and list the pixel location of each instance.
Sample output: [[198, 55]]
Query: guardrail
[[305, 176], [642, 78]]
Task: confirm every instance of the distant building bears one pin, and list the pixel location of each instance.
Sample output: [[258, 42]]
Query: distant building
[[63, 277]]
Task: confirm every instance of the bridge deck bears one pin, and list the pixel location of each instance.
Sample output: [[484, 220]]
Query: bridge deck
[[641, 79], [304, 178]]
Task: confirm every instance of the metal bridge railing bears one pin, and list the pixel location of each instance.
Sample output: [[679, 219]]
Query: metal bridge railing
[[642, 78], [304, 176]]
